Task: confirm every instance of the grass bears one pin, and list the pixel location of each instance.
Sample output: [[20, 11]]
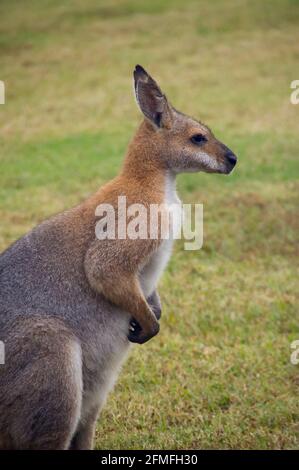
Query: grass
[[219, 373]]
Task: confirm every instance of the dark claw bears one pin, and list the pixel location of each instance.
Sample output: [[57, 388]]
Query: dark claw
[[134, 326], [134, 337], [135, 334]]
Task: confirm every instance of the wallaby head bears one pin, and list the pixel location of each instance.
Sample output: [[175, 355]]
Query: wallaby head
[[181, 143]]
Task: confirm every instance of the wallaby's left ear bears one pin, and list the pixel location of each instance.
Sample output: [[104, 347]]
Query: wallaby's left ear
[[152, 102]]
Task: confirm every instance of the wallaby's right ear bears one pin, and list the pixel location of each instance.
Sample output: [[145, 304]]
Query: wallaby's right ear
[[152, 102]]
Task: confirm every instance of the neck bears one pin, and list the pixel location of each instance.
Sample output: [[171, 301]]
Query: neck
[[143, 160]]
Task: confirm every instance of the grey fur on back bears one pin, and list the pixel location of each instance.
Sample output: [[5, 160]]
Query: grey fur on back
[[59, 337]]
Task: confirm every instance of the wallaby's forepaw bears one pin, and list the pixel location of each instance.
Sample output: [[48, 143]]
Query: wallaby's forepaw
[[136, 334]]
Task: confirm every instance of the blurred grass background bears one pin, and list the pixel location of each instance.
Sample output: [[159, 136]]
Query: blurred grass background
[[219, 373]]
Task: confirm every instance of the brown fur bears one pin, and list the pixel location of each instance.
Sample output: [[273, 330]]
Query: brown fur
[[112, 266]]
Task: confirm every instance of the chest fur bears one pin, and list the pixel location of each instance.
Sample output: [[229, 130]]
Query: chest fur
[[153, 270]]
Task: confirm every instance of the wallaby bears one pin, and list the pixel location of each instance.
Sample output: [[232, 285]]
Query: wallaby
[[67, 298]]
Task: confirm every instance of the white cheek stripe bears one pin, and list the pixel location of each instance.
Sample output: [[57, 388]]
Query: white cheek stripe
[[208, 161]]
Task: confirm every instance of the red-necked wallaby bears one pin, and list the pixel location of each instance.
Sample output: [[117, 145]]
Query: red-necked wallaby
[[67, 298]]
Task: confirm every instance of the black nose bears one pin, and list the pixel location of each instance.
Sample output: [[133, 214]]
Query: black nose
[[231, 157]]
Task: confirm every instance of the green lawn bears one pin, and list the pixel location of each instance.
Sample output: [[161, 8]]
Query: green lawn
[[219, 373]]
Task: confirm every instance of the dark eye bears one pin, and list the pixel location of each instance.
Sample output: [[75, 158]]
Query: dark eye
[[198, 139]]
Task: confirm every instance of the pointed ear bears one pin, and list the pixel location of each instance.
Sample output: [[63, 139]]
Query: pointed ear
[[152, 102]]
